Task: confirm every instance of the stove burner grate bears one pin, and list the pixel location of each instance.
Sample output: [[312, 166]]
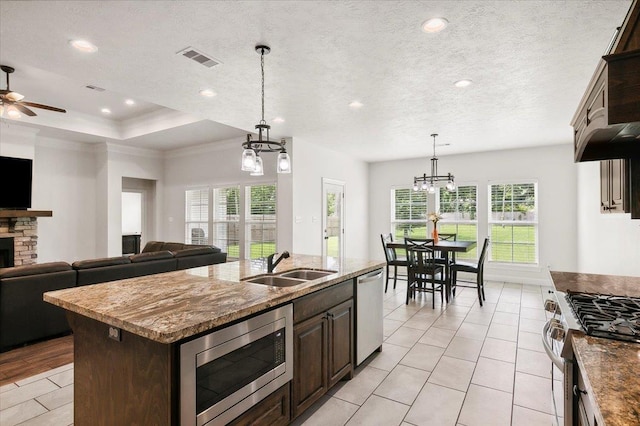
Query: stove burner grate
[[608, 316]]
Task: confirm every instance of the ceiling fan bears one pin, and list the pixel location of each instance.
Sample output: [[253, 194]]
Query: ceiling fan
[[13, 101]]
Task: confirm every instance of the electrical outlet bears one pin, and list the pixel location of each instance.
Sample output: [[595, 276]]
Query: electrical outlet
[[115, 334]]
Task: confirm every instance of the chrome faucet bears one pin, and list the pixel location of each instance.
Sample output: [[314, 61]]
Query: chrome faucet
[[271, 265]]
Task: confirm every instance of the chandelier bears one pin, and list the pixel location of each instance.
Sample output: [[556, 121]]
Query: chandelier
[[428, 183], [251, 160]]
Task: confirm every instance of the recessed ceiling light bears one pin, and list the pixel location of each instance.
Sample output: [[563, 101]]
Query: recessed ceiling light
[[434, 25], [83, 46], [208, 93], [105, 111], [355, 105], [462, 83], [278, 120], [130, 102]]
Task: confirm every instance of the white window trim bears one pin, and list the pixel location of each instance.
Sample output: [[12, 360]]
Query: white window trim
[[511, 222], [246, 223], [239, 221], [392, 210]]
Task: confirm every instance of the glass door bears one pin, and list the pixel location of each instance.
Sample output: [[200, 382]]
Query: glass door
[[332, 218]]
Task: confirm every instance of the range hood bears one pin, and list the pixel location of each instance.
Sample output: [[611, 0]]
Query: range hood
[[607, 122]]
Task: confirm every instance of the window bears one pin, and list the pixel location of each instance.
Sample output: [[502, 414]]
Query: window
[[408, 213], [260, 221], [513, 222], [226, 220], [197, 216], [459, 216]]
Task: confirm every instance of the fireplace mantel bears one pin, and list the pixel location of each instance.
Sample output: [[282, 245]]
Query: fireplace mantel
[[26, 213]]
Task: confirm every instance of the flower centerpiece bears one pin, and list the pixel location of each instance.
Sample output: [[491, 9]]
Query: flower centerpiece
[[435, 217]]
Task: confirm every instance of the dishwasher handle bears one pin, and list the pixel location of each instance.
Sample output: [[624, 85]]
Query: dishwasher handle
[[372, 276]]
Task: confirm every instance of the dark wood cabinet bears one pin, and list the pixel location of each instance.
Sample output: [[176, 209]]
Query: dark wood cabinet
[[341, 339], [310, 346], [323, 343], [274, 410], [614, 192]]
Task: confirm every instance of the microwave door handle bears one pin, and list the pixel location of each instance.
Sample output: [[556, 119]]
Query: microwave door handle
[[557, 360]]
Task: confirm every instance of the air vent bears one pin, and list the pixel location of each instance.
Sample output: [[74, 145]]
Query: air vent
[[96, 88], [199, 57]]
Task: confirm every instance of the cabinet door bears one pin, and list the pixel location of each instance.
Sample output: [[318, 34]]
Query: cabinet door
[[605, 182], [340, 341], [310, 362], [618, 186]]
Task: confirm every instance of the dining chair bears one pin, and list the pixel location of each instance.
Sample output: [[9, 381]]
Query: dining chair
[[442, 257], [422, 270], [392, 260], [471, 268]]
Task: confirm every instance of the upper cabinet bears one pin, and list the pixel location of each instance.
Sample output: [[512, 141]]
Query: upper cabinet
[[607, 122]]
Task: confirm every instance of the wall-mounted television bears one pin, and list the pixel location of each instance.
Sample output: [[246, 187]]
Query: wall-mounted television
[[15, 183]]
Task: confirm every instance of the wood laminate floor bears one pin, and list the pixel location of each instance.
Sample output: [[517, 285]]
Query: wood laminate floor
[[34, 359]]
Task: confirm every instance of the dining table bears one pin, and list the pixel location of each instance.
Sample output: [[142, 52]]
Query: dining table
[[447, 247]]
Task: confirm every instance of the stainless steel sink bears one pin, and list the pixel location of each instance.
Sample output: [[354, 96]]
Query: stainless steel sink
[[276, 281], [306, 274]]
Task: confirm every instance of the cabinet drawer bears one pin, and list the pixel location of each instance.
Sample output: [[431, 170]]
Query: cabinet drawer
[[273, 410], [321, 301]]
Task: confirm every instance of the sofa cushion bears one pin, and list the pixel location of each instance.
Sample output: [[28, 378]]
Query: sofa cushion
[[99, 263], [194, 251], [173, 246], [154, 255], [37, 269], [152, 246]]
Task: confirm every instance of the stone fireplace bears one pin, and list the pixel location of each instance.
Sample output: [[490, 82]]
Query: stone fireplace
[[19, 236]]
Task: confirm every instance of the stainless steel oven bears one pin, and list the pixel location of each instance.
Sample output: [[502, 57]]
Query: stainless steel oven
[[226, 372]]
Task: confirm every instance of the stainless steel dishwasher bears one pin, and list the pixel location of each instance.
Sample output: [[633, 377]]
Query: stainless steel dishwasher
[[369, 292]]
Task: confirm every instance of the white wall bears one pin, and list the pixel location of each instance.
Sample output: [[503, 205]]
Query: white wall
[[64, 181], [607, 243], [553, 169], [311, 163]]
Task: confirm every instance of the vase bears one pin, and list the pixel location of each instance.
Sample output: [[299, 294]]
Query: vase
[[435, 234]]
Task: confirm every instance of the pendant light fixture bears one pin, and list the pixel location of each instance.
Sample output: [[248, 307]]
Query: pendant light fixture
[[251, 161], [428, 183]]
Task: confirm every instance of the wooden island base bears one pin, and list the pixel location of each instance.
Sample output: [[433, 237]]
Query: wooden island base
[[126, 382]]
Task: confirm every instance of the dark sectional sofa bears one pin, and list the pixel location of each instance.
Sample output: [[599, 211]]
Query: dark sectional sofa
[[25, 317]]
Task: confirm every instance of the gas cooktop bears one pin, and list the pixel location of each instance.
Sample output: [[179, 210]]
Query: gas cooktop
[[608, 316]]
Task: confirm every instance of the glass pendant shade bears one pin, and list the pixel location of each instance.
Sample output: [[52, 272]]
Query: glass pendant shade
[[284, 163], [248, 160], [259, 169], [432, 189], [415, 186], [451, 186], [424, 186]]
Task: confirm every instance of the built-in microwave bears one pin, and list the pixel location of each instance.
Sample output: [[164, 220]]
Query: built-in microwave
[[226, 372]]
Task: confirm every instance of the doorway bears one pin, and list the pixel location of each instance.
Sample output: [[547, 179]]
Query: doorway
[[332, 218], [138, 213]]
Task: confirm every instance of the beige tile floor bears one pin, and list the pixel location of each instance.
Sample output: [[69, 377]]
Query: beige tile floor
[[458, 364]]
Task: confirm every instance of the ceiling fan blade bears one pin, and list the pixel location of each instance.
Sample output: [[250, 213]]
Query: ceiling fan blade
[[50, 108], [23, 109]]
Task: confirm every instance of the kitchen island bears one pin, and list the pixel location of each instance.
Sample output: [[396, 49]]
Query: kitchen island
[[610, 368], [127, 333]]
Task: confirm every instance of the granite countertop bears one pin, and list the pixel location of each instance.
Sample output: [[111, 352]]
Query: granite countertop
[[175, 305], [611, 368], [612, 377], [593, 283]]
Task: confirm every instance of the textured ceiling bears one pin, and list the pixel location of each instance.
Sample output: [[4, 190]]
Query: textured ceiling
[[530, 62]]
